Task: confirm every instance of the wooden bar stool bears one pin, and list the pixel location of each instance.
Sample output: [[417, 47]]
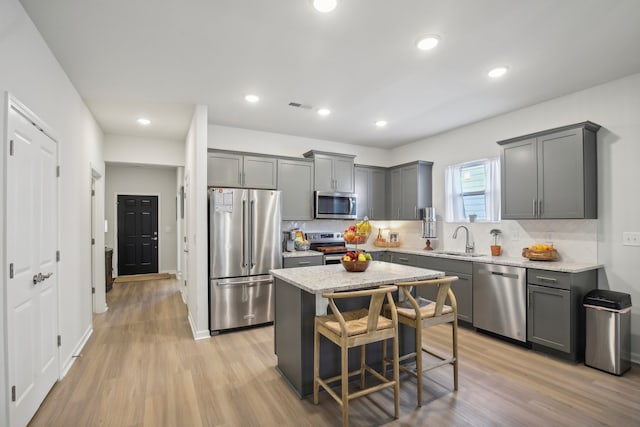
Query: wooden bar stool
[[357, 328], [420, 313]]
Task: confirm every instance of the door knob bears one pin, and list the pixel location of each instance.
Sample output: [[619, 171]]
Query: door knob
[[37, 278]]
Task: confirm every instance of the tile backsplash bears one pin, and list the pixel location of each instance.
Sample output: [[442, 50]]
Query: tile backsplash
[[575, 240]]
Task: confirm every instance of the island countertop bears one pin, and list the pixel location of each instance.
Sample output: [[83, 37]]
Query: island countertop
[[333, 277]]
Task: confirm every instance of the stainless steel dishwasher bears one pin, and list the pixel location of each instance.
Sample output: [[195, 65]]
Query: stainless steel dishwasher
[[499, 300]]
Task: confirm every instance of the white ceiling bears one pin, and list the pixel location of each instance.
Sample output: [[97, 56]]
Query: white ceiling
[[141, 57]]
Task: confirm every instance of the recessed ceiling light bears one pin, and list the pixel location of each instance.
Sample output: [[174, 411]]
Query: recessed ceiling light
[[143, 121], [428, 42], [381, 123], [324, 112], [252, 98], [325, 6], [497, 72]]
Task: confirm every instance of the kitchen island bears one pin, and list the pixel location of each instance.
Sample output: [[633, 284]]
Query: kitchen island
[[298, 299]]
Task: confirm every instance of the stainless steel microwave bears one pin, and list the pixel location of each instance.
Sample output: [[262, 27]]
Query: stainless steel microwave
[[329, 205]]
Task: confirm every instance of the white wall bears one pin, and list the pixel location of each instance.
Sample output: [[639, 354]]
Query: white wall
[[145, 151], [195, 174], [252, 141], [31, 73], [616, 107], [145, 180]]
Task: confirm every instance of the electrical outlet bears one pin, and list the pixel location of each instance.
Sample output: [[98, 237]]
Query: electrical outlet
[[631, 238]]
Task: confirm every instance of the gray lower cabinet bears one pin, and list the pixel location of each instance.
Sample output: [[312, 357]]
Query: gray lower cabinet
[[401, 258], [381, 256], [555, 314], [371, 190], [237, 170], [295, 180], [410, 190], [462, 288], [550, 174], [302, 261], [549, 317]]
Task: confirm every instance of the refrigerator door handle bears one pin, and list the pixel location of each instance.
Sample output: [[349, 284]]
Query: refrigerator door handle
[[244, 237], [252, 234]]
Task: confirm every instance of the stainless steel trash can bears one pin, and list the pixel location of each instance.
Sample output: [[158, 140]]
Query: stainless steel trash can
[[608, 328]]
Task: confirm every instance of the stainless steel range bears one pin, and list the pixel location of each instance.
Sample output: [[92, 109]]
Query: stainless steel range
[[330, 243]]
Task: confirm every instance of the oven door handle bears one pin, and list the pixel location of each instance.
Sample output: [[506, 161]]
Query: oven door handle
[[335, 257]]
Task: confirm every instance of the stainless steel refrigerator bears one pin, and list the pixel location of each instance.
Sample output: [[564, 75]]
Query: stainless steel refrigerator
[[244, 244]]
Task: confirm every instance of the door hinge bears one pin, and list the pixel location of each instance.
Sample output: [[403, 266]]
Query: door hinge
[[59, 340], [93, 241], [57, 171], [93, 290], [13, 393], [11, 271], [58, 256], [11, 147]]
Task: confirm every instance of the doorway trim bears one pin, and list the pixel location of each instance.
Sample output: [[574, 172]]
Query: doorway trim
[[116, 269]]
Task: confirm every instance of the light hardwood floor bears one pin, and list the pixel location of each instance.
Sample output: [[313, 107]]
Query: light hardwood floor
[[141, 367]]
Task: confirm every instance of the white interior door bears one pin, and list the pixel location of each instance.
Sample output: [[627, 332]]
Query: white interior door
[[32, 295]]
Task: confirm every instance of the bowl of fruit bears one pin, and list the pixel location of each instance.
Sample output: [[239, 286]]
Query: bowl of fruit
[[359, 233], [540, 252], [356, 262]]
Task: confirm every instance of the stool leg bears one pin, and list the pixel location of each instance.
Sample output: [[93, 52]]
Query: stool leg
[[345, 385], [316, 364], [455, 354], [384, 358], [418, 326], [362, 364], [396, 375]]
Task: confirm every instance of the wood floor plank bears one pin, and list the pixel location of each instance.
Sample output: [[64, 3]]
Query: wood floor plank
[[141, 367]]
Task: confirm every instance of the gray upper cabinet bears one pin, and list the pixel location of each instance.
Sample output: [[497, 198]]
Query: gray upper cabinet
[[224, 170], [551, 174], [370, 187], [410, 190], [295, 180], [332, 172], [237, 170]]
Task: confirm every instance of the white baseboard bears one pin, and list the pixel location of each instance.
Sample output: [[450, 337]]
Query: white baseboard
[[76, 351], [198, 335]]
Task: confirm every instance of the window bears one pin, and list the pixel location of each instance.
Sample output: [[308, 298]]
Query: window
[[473, 188]]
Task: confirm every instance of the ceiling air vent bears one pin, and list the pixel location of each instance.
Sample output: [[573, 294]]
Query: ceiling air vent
[[298, 105]]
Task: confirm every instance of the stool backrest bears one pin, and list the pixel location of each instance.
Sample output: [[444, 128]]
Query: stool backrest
[[444, 291], [375, 303]]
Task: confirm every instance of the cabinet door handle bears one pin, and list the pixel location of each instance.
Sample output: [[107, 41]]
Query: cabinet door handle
[[540, 207], [415, 212], [304, 262], [403, 259], [546, 279], [398, 212], [534, 207]]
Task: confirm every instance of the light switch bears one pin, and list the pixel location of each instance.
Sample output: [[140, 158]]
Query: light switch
[[631, 238]]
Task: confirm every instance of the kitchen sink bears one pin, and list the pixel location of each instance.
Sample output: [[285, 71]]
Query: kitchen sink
[[462, 254]]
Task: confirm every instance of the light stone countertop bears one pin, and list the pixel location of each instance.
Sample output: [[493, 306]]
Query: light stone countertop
[[561, 266], [333, 277], [300, 254]]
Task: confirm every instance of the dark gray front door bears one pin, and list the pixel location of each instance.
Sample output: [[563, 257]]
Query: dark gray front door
[[137, 234]]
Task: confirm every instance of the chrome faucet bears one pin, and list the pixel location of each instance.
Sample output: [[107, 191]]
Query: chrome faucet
[[468, 247]]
